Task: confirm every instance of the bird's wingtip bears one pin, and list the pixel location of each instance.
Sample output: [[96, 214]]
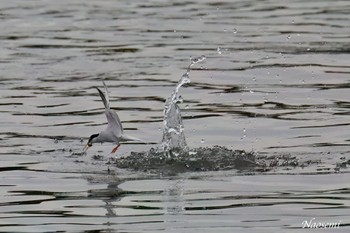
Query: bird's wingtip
[[105, 86], [98, 89]]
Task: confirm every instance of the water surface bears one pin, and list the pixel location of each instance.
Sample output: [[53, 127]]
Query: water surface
[[275, 82]]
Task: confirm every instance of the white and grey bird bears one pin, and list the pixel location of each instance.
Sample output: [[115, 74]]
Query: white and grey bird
[[114, 132]]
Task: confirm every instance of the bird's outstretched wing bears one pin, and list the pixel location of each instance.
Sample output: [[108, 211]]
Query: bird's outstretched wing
[[114, 124]]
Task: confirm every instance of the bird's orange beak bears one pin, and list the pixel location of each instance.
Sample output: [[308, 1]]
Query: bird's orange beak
[[86, 147]]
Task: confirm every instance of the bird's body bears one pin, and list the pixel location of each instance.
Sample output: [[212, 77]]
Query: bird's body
[[114, 132]]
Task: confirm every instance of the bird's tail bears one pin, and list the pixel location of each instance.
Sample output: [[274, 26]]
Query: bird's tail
[[129, 138]]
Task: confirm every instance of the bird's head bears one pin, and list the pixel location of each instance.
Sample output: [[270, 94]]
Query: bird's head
[[89, 143]]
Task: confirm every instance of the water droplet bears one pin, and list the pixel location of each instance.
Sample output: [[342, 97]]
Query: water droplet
[[187, 106], [182, 128], [288, 37], [251, 91], [244, 130], [312, 75], [308, 49], [218, 50], [225, 30], [202, 140], [185, 79], [172, 130], [234, 30], [180, 99], [293, 21], [254, 79], [197, 59], [192, 153]]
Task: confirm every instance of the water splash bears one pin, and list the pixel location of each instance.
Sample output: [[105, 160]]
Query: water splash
[[198, 159], [173, 132], [175, 157]]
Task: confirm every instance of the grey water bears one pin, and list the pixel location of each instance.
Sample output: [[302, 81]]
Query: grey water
[[275, 84]]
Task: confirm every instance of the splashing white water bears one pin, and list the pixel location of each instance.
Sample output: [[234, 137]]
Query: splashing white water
[[173, 132]]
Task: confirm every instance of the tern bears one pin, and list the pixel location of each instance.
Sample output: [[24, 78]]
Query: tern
[[114, 131]]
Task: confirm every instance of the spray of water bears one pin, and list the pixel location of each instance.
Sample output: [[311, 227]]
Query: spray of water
[[173, 132], [176, 157]]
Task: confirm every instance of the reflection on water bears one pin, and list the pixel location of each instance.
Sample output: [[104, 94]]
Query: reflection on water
[[204, 202], [275, 85]]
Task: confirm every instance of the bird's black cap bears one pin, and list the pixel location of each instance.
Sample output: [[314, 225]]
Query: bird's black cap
[[92, 137]]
